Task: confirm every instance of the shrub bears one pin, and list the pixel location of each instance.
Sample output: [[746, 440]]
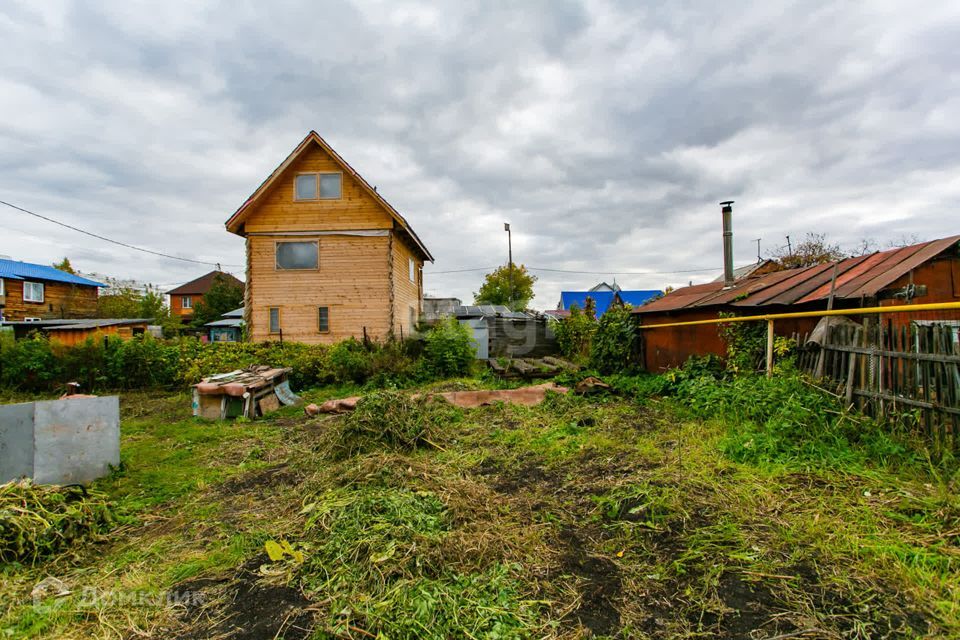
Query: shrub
[[351, 361], [575, 332], [29, 364], [448, 349], [613, 346]]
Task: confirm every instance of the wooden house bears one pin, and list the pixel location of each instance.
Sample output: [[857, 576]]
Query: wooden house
[[184, 298], [327, 256], [33, 292]]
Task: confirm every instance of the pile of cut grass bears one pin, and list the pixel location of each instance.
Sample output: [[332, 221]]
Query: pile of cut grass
[[37, 521], [394, 420]]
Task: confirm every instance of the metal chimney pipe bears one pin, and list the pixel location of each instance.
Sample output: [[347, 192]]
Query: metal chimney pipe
[[727, 213]]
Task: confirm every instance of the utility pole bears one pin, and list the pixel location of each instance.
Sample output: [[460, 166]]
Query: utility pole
[[789, 248], [506, 227]]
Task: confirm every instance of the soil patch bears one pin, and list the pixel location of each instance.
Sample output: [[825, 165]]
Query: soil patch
[[256, 481], [251, 609], [600, 585], [510, 480]]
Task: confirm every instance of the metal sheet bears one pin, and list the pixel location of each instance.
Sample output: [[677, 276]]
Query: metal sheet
[[16, 441], [76, 440]]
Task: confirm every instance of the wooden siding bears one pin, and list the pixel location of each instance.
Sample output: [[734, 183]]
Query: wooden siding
[[352, 282], [355, 209], [60, 300], [72, 337], [406, 294]]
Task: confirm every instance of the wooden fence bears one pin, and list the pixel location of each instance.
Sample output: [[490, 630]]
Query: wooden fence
[[888, 367]]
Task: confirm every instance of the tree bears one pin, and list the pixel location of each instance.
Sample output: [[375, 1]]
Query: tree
[[813, 250], [64, 265], [513, 288], [224, 295]]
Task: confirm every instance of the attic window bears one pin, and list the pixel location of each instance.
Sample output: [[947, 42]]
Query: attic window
[[317, 186]]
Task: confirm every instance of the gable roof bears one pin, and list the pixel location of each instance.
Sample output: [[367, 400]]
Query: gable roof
[[861, 276], [15, 270], [236, 221], [201, 285]]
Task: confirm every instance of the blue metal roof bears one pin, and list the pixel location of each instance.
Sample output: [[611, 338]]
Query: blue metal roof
[[601, 299], [15, 270], [638, 297]]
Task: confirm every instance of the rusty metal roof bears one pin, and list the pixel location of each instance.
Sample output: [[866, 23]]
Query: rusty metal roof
[[862, 276]]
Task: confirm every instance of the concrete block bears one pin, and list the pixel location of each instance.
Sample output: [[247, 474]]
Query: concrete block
[[60, 441]]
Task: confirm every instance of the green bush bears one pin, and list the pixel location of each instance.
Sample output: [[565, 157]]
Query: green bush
[[575, 332], [29, 364], [448, 350], [613, 347]]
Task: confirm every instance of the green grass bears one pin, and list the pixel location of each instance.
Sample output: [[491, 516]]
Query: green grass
[[598, 515]]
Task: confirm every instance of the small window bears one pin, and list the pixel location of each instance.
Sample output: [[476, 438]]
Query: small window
[[274, 319], [1, 287], [298, 255], [317, 186], [413, 319], [306, 187], [413, 270], [33, 292], [330, 186], [186, 302], [323, 319]]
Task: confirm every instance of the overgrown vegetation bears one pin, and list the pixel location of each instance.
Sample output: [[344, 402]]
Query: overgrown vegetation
[[37, 521], [393, 420], [39, 364], [608, 345]]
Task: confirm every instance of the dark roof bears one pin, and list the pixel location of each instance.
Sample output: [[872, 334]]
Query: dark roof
[[488, 311], [201, 285], [236, 220], [15, 270], [77, 323], [862, 276]]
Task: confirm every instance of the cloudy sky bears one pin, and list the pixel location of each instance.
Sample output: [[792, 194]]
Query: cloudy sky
[[605, 132]]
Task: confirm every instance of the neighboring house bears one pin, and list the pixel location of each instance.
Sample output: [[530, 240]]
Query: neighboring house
[[184, 298], [602, 298], [927, 272], [40, 292], [71, 332], [229, 328], [327, 257]]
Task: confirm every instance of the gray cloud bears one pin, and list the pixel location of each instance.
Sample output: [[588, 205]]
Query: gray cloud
[[605, 132]]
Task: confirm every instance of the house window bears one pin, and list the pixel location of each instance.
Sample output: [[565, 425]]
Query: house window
[[413, 319], [2, 292], [323, 319], [298, 255], [33, 292], [317, 186], [274, 319], [413, 270], [186, 302]]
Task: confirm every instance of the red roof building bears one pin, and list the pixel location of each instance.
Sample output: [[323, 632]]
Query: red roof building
[[184, 298]]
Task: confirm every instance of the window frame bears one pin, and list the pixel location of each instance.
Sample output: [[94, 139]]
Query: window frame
[[270, 329], [276, 257], [316, 176], [33, 284], [3, 291], [413, 270], [320, 311], [186, 302]]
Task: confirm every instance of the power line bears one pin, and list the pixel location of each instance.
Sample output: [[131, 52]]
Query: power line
[[117, 242], [602, 273]]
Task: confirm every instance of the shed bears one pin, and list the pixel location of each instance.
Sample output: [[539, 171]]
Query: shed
[[71, 332], [927, 272], [229, 328], [499, 332]]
